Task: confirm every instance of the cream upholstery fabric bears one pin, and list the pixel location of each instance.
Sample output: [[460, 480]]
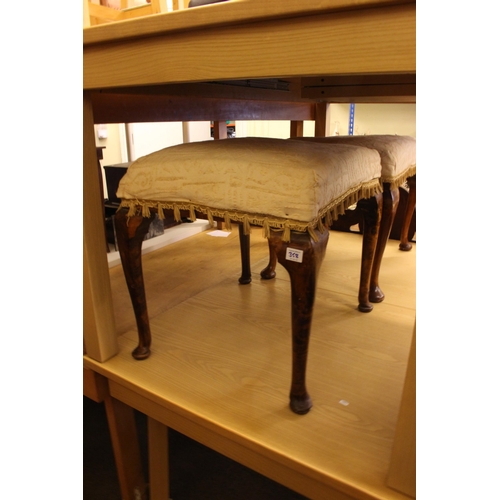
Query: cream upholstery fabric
[[398, 153], [268, 182]]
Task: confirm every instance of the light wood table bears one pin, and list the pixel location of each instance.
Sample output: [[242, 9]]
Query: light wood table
[[254, 59]]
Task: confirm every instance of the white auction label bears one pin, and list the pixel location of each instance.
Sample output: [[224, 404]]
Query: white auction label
[[294, 254]]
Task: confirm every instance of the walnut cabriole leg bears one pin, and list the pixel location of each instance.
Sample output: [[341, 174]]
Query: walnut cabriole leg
[[270, 271], [130, 232], [246, 273], [371, 211], [390, 201], [404, 244], [303, 276]]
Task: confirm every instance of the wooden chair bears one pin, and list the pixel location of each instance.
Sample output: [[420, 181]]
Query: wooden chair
[[291, 189]]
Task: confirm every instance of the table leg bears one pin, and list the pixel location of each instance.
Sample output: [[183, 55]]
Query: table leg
[[125, 442], [159, 487]]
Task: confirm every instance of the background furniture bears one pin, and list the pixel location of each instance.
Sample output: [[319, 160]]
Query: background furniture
[[100, 13], [398, 157], [237, 60], [351, 218]]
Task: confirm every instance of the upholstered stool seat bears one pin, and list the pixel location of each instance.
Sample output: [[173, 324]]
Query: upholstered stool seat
[[397, 153], [267, 182], [292, 189], [399, 166]]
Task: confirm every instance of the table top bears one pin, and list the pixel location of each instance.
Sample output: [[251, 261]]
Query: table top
[[257, 39], [223, 14]]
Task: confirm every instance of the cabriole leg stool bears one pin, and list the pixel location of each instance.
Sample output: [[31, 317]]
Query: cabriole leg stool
[[398, 165], [291, 189]]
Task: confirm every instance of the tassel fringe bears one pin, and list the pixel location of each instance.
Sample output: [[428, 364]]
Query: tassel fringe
[[396, 182], [210, 217], [227, 221], [246, 225], [312, 234], [266, 230], [145, 211], [321, 222], [131, 211], [286, 232], [161, 215], [177, 213], [192, 215]]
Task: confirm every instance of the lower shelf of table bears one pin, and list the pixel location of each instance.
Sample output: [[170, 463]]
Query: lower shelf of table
[[221, 365]]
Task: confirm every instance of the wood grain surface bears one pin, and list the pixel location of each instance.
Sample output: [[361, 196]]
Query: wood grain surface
[[220, 364]]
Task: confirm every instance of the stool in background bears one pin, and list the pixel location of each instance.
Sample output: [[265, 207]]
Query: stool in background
[[399, 166]]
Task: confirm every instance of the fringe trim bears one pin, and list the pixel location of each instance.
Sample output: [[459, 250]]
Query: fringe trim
[[210, 217], [161, 215], [396, 182], [266, 230], [322, 221]]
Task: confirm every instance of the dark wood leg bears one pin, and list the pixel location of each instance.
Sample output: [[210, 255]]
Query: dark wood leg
[[296, 128], [303, 276], [270, 271], [220, 130], [246, 274], [405, 245], [390, 200], [130, 232], [371, 211]]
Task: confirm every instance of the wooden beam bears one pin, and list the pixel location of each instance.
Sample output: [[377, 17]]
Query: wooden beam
[[322, 120], [296, 128], [268, 89], [361, 88], [350, 42], [118, 108]]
